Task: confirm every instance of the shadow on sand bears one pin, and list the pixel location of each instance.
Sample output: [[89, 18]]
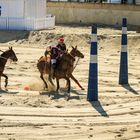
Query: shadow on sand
[[97, 105], [77, 92], [129, 88], [9, 92], [58, 95]]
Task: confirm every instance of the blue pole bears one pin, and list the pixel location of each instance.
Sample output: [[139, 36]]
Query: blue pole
[[93, 68], [0, 10], [123, 75]]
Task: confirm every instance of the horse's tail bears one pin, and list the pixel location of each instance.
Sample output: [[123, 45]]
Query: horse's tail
[[45, 58], [40, 59], [39, 63], [43, 64]]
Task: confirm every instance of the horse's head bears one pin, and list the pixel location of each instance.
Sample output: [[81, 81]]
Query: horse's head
[[11, 54], [75, 52]]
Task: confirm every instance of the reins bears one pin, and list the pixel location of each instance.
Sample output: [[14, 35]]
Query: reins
[[72, 56], [2, 56], [1, 51], [76, 61]]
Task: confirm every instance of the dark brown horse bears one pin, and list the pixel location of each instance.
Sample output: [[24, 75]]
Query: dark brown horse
[[8, 54], [64, 68]]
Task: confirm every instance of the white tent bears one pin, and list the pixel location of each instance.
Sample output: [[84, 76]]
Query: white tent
[[128, 1], [25, 15]]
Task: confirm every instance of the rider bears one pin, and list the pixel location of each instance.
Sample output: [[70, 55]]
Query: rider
[[54, 56], [61, 45], [55, 53]]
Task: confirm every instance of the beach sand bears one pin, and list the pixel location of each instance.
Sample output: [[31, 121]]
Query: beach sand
[[35, 114]]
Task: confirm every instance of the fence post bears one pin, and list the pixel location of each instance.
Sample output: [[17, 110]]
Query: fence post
[[93, 67], [123, 75]]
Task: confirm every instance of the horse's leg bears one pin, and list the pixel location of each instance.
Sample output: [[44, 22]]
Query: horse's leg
[[50, 79], [76, 81], [41, 76], [68, 84], [57, 83], [6, 81], [0, 82]]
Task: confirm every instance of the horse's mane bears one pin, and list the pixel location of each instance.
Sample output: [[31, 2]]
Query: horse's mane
[[67, 57], [4, 52]]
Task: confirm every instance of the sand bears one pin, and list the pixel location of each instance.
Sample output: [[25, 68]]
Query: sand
[[36, 114]]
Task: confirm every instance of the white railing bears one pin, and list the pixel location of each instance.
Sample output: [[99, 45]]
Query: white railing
[[27, 23]]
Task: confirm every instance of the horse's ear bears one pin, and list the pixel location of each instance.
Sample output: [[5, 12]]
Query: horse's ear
[[10, 48], [72, 47], [76, 47]]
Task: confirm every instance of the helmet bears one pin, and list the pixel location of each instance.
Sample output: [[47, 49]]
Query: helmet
[[61, 40]]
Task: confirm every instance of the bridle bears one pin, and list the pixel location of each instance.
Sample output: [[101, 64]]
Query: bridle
[[1, 51], [76, 63], [72, 56], [74, 60], [4, 57]]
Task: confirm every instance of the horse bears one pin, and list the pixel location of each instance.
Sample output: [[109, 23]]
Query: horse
[[8, 54], [64, 69]]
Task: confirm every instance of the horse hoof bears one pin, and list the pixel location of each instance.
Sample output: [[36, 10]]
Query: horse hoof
[[6, 89], [46, 89], [57, 90], [68, 96], [82, 89]]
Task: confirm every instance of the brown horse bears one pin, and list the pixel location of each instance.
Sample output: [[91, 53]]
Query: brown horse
[[8, 54], [64, 68]]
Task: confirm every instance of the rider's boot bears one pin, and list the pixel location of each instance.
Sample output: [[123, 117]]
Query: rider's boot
[[53, 70]]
